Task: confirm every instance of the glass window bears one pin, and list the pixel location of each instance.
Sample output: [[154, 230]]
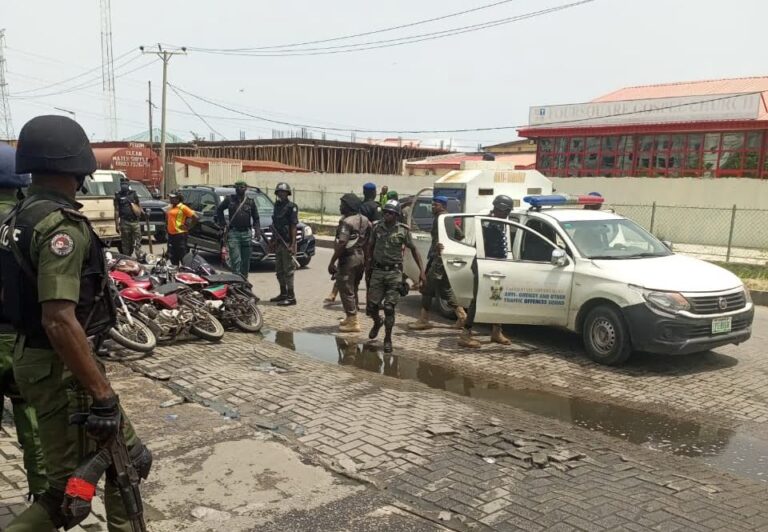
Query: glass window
[[754, 140], [263, 203], [695, 142], [577, 144], [590, 161], [626, 143], [467, 226], [730, 160], [610, 144], [545, 161], [646, 143], [644, 160], [613, 239], [561, 144], [733, 141], [545, 145], [712, 141], [207, 202], [593, 144], [678, 142], [533, 247], [559, 161], [751, 158], [662, 142], [693, 161]]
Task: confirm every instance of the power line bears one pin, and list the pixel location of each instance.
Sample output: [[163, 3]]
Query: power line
[[388, 43], [355, 35], [203, 120], [433, 131]]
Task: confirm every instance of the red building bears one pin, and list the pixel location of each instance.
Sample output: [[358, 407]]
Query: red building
[[716, 128]]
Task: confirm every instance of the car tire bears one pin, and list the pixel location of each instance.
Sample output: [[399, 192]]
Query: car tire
[[606, 336], [445, 309], [304, 261], [161, 237]]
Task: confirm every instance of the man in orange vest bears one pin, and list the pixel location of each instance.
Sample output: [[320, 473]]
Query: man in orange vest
[[180, 220]]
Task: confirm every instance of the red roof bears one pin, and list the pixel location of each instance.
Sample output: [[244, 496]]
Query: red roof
[[248, 165], [694, 88], [453, 161]]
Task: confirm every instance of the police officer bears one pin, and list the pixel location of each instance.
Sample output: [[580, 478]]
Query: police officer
[[127, 214], [23, 414], [384, 266], [351, 239], [243, 219], [54, 293], [437, 283], [371, 208], [496, 246], [284, 221]]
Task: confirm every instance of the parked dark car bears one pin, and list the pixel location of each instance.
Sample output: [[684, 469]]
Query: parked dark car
[[155, 208], [205, 235], [422, 212]]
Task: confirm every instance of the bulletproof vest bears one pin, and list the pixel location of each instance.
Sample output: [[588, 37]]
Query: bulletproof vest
[[371, 210], [281, 219], [95, 310], [243, 218], [495, 238], [124, 206]]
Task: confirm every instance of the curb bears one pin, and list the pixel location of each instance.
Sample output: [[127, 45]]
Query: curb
[[759, 297]]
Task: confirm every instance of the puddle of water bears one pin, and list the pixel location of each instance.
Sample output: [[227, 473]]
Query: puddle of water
[[723, 448]]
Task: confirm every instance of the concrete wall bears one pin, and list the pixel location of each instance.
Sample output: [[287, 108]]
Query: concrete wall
[[695, 192]]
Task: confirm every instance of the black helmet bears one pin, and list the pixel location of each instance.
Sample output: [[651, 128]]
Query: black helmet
[[8, 176], [352, 202], [56, 144], [176, 194], [503, 203], [392, 206], [283, 186]]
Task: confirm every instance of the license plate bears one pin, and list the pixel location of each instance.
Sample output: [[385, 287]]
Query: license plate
[[721, 325]]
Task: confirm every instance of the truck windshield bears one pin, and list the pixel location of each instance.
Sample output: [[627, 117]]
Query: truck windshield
[[141, 190], [613, 239]]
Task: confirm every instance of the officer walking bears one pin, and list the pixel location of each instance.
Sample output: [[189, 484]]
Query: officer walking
[[496, 246], [54, 292], [384, 266], [24, 416], [285, 218], [351, 239], [243, 219], [371, 208], [437, 283], [127, 215], [180, 219]]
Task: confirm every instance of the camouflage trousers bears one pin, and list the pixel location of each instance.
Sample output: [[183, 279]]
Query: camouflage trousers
[[348, 279], [437, 285], [383, 290], [130, 238]]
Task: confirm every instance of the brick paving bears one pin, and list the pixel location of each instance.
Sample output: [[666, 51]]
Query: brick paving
[[488, 466]]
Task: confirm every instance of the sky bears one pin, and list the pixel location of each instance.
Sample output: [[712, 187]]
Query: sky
[[479, 79]]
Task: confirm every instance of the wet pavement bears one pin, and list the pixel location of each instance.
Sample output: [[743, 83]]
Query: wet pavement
[[728, 449]]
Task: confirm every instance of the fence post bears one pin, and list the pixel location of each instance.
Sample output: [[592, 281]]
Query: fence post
[[322, 205], [653, 216], [730, 234]]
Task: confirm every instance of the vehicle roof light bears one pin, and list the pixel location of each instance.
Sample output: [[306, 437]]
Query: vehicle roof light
[[560, 200]]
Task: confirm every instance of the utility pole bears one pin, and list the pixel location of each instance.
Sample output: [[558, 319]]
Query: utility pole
[[165, 55], [6, 124], [149, 101]]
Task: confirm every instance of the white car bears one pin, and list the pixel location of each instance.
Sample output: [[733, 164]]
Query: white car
[[598, 274]]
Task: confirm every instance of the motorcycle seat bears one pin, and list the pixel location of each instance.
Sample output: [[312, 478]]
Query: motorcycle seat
[[225, 278], [169, 288]]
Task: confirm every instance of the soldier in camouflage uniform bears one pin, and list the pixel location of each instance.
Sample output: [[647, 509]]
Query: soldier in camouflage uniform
[[24, 415], [384, 267], [437, 283], [351, 239]]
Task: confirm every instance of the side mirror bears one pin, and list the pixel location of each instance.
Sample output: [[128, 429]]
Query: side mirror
[[667, 244], [559, 258]]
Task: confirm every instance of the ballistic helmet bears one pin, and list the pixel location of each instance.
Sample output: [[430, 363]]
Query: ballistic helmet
[[392, 206], [442, 200], [369, 186], [284, 187], [8, 176], [352, 202], [503, 203], [54, 144]]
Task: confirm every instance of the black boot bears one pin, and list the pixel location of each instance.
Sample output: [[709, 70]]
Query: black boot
[[290, 299], [377, 323], [282, 297], [389, 322]]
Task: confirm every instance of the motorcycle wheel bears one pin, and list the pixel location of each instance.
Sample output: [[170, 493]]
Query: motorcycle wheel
[[250, 319], [136, 337], [207, 327]]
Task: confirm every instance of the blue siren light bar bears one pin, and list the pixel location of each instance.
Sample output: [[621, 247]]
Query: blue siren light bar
[[560, 200]]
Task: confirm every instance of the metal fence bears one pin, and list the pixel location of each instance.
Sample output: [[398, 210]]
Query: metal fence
[[726, 235], [717, 234]]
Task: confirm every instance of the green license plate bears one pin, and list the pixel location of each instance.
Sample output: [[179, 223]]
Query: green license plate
[[721, 325]]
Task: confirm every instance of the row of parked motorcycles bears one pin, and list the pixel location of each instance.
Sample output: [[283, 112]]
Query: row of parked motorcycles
[[159, 302]]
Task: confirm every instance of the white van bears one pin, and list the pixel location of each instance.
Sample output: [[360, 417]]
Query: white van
[[598, 274]]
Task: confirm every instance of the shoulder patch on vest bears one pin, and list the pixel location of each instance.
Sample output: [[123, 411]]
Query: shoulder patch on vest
[[62, 244]]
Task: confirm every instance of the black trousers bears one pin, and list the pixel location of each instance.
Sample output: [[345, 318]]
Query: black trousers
[[177, 247]]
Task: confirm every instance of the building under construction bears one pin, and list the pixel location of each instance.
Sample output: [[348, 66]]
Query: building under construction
[[315, 155]]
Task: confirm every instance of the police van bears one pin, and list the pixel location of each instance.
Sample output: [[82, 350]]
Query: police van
[[595, 273]]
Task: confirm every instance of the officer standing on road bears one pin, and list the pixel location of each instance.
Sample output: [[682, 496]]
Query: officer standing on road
[[284, 221], [371, 208], [54, 283], [24, 416], [437, 283], [180, 219], [243, 219], [384, 266], [496, 246], [351, 240], [127, 215]]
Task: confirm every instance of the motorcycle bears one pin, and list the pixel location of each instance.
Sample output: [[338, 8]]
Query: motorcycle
[[228, 295], [130, 331]]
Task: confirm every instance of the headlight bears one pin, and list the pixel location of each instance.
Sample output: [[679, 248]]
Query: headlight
[[669, 301], [307, 231], [747, 295]]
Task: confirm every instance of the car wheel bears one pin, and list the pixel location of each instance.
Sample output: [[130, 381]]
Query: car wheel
[[304, 261], [160, 236], [445, 309], [606, 337]]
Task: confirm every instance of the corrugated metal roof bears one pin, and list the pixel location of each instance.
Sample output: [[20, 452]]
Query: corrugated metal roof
[[688, 88], [248, 165]]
